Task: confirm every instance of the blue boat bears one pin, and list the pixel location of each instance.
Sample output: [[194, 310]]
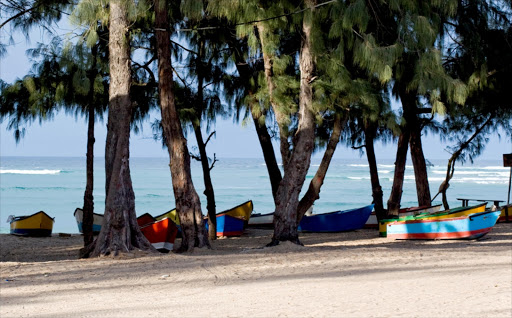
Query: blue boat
[[96, 222], [471, 226], [338, 221], [228, 225]]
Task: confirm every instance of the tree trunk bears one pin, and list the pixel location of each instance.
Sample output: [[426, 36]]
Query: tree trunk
[[208, 186], [187, 200], [398, 178], [88, 208], [281, 117], [369, 134], [285, 216], [313, 192], [259, 123], [413, 125], [120, 231]]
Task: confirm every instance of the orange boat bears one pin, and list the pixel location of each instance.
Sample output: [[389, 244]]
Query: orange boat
[[161, 234]]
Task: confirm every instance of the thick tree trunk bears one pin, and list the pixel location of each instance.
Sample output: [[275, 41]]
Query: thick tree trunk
[[88, 208], [377, 193], [398, 178], [285, 216], [313, 192], [413, 125], [187, 200], [120, 231], [259, 123], [281, 118]]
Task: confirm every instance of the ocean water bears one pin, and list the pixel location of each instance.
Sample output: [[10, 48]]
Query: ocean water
[[56, 185]]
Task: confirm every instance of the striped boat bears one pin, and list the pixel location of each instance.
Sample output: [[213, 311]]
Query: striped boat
[[338, 221], [471, 226], [242, 211], [373, 223], [228, 225], [37, 224], [96, 222], [456, 212]]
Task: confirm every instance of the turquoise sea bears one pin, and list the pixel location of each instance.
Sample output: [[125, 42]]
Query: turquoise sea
[[56, 185]]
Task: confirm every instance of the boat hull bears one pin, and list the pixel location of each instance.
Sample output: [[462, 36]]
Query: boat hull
[[339, 221], [503, 216], [452, 213], [96, 222], [38, 224], [373, 223], [261, 220], [161, 234], [228, 225], [171, 214], [242, 211], [464, 227]]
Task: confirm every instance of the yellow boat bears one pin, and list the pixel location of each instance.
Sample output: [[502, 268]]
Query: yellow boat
[[504, 217], [37, 224], [452, 213], [242, 211], [172, 214]]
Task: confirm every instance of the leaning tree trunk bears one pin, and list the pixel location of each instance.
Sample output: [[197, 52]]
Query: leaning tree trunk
[[264, 138], [88, 208], [316, 183], [187, 200], [285, 216], [369, 135], [398, 178], [281, 117], [120, 231], [418, 158]]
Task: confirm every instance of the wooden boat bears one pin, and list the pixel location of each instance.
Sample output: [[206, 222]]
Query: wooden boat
[[97, 221], [37, 224], [471, 226], [259, 220], [506, 213], [145, 219], [373, 223], [161, 233], [337, 221], [171, 214], [452, 213], [228, 225], [242, 211]]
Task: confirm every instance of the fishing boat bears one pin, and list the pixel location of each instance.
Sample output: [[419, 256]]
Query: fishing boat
[[161, 234], [242, 211], [471, 226], [145, 219], [373, 223], [338, 221], [506, 213], [97, 221], [171, 214], [259, 220], [37, 224], [228, 225], [452, 213]]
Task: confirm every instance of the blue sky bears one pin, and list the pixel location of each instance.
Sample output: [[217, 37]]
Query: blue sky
[[66, 135]]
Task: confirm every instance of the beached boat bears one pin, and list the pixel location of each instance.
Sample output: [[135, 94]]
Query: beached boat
[[145, 219], [228, 225], [471, 226], [259, 220], [506, 213], [373, 223], [97, 221], [338, 221], [452, 213], [161, 234], [37, 224], [171, 214], [242, 211]]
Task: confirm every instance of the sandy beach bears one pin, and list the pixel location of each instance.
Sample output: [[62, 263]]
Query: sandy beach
[[354, 274]]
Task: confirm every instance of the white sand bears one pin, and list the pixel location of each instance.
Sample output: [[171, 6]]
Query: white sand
[[352, 274]]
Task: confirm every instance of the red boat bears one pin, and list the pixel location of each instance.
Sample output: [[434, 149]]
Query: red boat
[[161, 234]]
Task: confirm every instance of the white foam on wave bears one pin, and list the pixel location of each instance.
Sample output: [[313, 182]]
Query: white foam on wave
[[359, 178], [44, 171], [358, 165]]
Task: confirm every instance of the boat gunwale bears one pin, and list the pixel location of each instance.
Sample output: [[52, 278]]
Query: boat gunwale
[[429, 215], [160, 215], [24, 217], [338, 212], [98, 214], [228, 210], [470, 217]]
